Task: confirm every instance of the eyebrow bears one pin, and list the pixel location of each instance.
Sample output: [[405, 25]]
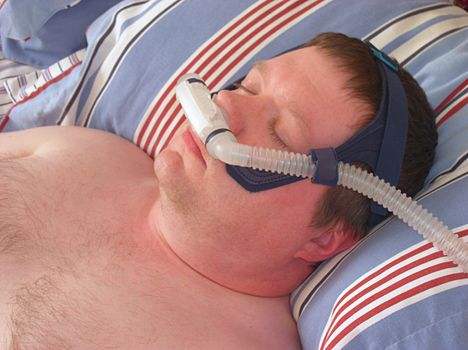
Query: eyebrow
[[260, 66]]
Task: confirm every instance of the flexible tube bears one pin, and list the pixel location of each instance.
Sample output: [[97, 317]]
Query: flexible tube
[[407, 209]]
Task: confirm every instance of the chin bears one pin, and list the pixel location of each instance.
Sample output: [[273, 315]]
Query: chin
[[168, 164]]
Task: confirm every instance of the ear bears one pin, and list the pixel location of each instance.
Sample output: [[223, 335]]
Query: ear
[[327, 244]]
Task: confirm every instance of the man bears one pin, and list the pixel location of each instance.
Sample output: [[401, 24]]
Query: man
[[102, 247]]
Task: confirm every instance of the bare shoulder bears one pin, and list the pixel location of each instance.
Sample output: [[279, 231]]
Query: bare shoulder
[[45, 172], [52, 178], [20, 144], [34, 165]]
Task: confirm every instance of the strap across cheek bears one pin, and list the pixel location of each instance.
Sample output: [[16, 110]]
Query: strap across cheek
[[381, 144], [254, 180]]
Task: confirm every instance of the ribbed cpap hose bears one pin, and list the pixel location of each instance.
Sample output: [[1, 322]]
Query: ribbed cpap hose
[[406, 209], [208, 122], [225, 148]]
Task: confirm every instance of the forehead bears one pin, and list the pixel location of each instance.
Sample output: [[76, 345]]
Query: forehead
[[308, 85]]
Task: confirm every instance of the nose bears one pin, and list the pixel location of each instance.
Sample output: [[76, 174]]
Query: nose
[[234, 106]]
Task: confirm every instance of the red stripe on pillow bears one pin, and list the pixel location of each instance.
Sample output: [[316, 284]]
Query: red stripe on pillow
[[395, 300], [340, 315], [447, 100], [452, 111]]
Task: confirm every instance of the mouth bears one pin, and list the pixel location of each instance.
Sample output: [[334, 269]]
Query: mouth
[[194, 144]]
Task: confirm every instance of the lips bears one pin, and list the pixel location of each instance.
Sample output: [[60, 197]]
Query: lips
[[193, 144]]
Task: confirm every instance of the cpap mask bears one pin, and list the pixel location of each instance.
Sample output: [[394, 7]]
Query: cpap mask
[[381, 145]]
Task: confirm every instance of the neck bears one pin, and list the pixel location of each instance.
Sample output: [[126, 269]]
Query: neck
[[277, 284]]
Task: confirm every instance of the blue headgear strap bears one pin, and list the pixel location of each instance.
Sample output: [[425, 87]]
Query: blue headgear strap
[[381, 144]]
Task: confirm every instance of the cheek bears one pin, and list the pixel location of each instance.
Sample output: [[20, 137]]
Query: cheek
[[294, 204]]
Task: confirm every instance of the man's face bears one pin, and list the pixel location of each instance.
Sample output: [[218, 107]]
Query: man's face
[[296, 101]]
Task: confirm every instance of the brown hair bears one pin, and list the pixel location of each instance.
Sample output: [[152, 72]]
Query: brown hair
[[346, 207]]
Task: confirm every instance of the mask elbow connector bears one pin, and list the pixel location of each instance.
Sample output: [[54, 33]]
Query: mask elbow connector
[[225, 147]]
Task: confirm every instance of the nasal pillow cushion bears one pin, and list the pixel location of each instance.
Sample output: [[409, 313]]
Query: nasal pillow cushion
[[391, 291]]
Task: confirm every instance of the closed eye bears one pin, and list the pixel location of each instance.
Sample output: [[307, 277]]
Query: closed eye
[[274, 135], [271, 123], [243, 88]]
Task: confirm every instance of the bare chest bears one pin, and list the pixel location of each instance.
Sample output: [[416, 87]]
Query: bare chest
[[130, 297], [73, 270]]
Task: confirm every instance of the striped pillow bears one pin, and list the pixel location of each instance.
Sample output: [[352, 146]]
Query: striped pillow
[[393, 290]]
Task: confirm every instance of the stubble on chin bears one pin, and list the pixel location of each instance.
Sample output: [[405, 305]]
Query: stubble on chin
[[178, 199]]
